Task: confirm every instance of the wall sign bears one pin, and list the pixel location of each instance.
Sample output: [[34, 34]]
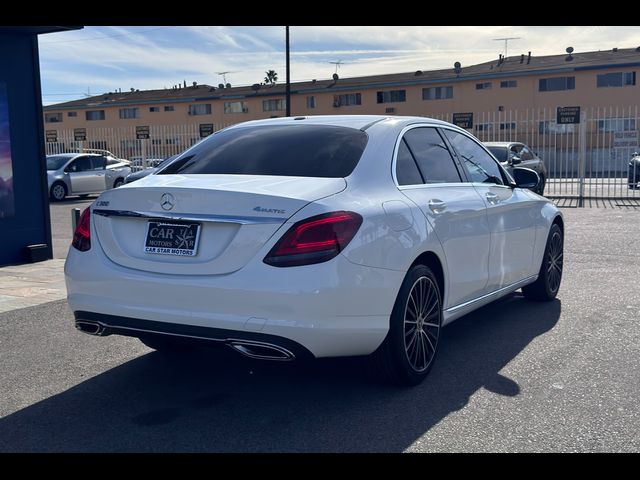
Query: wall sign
[[463, 120], [51, 136], [79, 134], [142, 132], [206, 129], [568, 115]]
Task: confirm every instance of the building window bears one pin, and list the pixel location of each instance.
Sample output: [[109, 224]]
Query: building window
[[437, 93], [235, 107], [353, 99], [169, 108], [553, 127], [392, 96], [200, 109], [617, 125], [483, 127], [508, 126], [483, 86], [94, 115], [311, 102], [53, 117], [154, 109], [72, 114], [556, 83], [273, 105], [618, 79], [508, 84], [127, 113]]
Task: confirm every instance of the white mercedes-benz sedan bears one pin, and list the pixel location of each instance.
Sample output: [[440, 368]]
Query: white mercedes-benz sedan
[[313, 237]]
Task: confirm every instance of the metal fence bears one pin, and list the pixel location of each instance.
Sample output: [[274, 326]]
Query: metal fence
[[585, 160]]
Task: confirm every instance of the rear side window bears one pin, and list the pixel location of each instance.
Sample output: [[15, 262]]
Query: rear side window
[[432, 155], [282, 150], [407, 172]]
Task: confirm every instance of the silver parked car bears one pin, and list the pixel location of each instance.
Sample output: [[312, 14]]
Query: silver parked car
[[84, 174], [511, 154]]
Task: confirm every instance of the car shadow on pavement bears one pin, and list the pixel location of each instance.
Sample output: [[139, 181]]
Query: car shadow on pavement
[[219, 402]]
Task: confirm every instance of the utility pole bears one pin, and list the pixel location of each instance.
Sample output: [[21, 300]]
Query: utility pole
[[288, 88]]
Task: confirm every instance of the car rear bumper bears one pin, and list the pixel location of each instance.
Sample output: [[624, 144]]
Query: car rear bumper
[[336, 308]]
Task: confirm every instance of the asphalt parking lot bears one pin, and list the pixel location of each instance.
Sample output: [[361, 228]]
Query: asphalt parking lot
[[515, 376]]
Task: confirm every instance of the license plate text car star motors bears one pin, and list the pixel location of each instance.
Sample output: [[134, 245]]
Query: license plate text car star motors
[[172, 238]]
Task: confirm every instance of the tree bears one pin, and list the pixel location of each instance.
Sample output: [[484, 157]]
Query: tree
[[271, 77]]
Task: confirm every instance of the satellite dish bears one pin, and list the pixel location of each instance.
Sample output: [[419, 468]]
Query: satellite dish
[[221, 85], [457, 67], [228, 85], [255, 87], [335, 77], [569, 50]]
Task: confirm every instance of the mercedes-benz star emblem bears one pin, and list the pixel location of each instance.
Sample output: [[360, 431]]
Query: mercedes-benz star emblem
[[167, 201]]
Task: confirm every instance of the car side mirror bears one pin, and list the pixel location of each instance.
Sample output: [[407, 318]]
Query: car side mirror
[[526, 178], [515, 160]]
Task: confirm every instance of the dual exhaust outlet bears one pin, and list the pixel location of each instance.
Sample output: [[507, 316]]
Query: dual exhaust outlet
[[256, 350]]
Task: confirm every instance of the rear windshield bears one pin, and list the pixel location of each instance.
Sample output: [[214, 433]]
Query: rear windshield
[[283, 150], [499, 152]]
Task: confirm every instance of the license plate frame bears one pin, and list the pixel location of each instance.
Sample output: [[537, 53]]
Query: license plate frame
[[176, 238]]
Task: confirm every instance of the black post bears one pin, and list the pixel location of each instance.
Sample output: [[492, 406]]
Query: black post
[[288, 94]]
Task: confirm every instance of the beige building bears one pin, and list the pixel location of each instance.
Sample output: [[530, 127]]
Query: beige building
[[517, 86]]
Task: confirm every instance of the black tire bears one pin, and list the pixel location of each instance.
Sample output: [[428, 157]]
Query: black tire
[[118, 182], [395, 361], [58, 191], [84, 195], [171, 345], [546, 287]]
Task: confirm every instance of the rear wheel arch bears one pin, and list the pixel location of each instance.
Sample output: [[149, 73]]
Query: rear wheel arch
[[432, 261], [560, 222]]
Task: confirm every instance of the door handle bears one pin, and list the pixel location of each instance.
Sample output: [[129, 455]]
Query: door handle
[[437, 206], [492, 198]]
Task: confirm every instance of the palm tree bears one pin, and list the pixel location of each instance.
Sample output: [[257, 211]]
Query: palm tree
[[271, 77]]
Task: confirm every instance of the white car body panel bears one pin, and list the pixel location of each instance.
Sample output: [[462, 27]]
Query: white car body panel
[[336, 308]]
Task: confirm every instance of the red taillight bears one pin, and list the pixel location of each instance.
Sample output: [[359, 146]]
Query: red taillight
[[314, 240], [82, 235]]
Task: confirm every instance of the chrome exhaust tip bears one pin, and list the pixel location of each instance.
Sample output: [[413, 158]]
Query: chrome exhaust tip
[[91, 327], [262, 351]]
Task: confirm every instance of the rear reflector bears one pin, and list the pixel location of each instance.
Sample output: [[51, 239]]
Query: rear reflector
[[314, 240], [82, 235]]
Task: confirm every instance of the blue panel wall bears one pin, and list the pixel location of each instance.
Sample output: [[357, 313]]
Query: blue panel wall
[[20, 72]]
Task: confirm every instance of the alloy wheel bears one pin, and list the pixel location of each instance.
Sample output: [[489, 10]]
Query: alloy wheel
[[554, 262], [421, 323]]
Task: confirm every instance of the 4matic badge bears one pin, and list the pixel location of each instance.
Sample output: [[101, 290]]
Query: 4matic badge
[[268, 210]]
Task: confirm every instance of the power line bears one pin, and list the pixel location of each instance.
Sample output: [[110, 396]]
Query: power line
[[104, 36]]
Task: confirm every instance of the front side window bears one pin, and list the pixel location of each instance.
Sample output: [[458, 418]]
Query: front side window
[[80, 164], [481, 166], [283, 150], [432, 156], [501, 153], [525, 154]]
